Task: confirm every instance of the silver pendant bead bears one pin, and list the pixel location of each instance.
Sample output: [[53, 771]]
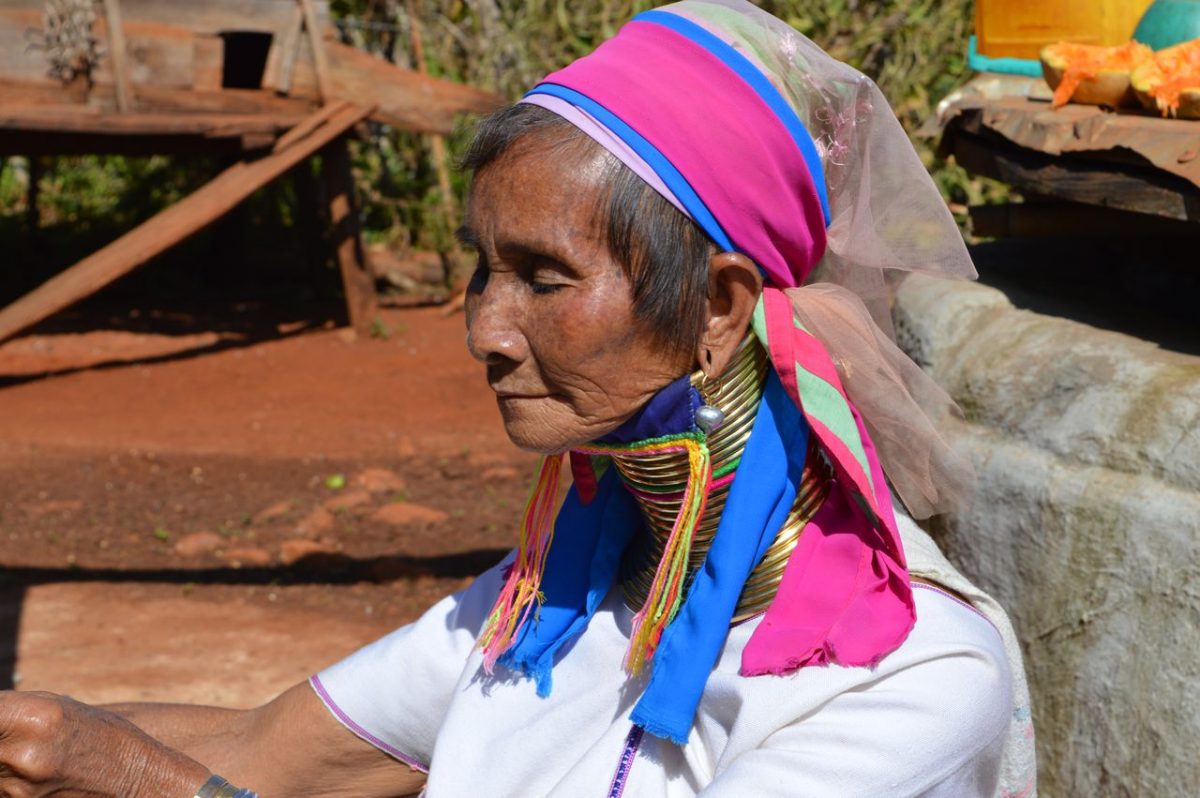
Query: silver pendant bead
[[709, 418]]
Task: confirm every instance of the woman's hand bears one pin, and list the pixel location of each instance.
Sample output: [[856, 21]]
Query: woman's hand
[[52, 745]]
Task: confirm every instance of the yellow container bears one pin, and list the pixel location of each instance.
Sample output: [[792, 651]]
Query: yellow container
[[1021, 28]]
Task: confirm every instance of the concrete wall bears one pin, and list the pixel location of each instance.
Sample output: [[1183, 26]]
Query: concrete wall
[[1086, 526]]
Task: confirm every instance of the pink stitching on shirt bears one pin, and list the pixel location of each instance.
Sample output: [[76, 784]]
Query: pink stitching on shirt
[[341, 715], [958, 601]]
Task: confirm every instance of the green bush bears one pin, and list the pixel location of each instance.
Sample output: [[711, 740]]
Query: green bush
[[914, 49]]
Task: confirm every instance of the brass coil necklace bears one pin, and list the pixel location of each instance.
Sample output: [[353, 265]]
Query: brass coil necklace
[[658, 483]]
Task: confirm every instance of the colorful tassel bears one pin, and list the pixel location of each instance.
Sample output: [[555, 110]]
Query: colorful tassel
[[520, 593], [521, 590], [667, 589]]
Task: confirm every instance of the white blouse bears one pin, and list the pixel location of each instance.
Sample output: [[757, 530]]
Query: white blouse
[[931, 719]]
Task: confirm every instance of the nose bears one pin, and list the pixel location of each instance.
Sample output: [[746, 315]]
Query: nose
[[494, 335]]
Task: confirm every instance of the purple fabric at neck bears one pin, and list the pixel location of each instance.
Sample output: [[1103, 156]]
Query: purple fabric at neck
[[671, 411]]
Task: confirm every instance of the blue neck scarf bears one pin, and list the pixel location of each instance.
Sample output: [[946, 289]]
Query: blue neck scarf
[[590, 538]]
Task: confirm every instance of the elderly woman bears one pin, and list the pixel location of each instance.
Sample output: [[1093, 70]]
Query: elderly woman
[[682, 240]]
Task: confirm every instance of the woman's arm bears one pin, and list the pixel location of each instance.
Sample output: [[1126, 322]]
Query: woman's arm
[[934, 730], [294, 747], [291, 747], [931, 720], [51, 745]]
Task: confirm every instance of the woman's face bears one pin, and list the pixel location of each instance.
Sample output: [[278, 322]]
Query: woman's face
[[549, 311]]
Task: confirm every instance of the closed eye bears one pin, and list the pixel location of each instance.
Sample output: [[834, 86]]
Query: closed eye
[[545, 275]]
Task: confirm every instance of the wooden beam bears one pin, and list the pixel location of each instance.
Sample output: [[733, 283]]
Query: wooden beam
[[18, 95], [42, 92], [1076, 177], [71, 120], [320, 57], [314, 121], [54, 144], [170, 226], [289, 50], [357, 282], [118, 53], [404, 98], [224, 101], [71, 129]]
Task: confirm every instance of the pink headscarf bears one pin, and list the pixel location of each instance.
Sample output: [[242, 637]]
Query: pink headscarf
[[778, 151]]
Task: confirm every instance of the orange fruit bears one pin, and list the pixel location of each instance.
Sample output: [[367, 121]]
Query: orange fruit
[[1170, 82], [1093, 75]]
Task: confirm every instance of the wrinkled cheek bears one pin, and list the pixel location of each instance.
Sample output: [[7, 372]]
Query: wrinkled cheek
[[542, 427], [589, 333]]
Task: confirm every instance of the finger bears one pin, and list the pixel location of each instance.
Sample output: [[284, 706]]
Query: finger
[[28, 723], [9, 701]]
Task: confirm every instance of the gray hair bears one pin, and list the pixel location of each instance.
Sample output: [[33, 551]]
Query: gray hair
[[663, 253]]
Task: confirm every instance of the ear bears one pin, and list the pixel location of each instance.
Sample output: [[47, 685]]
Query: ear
[[734, 284]]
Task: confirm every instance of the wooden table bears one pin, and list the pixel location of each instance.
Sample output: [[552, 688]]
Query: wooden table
[[1124, 160]]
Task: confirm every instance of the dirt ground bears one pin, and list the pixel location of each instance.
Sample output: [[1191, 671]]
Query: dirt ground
[[193, 517]]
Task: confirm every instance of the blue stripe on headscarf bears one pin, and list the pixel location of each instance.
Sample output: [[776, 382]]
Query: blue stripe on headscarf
[[674, 180], [759, 82]]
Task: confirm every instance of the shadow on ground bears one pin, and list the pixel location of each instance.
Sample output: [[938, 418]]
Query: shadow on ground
[[1144, 286]]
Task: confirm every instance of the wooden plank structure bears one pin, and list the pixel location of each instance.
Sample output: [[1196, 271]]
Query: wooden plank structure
[[118, 51], [1082, 154], [260, 81], [1108, 182]]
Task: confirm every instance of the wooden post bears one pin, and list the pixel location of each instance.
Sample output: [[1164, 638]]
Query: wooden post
[[357, 282], [116, 47], [289, 48], [437, 144], [320, 57]]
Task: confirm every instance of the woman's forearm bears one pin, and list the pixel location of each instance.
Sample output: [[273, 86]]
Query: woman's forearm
[[289, 748], [201, 732]]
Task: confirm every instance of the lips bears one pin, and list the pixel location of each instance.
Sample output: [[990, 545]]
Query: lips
[[518, 395]]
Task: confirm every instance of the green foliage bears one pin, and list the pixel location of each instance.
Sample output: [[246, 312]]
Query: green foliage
[[914, 49], [380, 330], [14, 179], [84, 189]]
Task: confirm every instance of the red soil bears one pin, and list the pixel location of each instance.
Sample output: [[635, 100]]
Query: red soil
[[132, 479]]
